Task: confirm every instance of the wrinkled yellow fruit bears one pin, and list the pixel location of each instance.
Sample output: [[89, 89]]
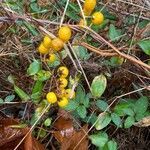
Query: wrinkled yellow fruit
[[63, 102], [52, 58], [61, 92], [47, 42], [97, 18], [51, 97], [64, 33], [42, 49], [89, 5], [62, 82], [87, 12], [57, 44], [82, 23], [69, 93], [63, 71]]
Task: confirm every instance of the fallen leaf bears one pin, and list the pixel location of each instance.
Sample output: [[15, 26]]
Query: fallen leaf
[[145, 122], [10, 136], [68, 137]]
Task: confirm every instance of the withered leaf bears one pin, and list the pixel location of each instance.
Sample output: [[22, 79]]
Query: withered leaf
[[145, 122], [68, 137], [10, 137]]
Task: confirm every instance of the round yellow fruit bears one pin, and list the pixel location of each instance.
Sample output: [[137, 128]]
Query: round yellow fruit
[[63, 71], [97, 18], [42, 49], [62, 82], [47, 42], [87, 12], [64, 33], [52, 58], [57, 44], [69, 93], [51, 97], [63, 102], [89, 5], [60, 92]]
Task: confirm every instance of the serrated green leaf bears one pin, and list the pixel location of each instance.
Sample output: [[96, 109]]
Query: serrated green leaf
[[72, 105], [43, 75], [98, 85], [9, 98], [81, 52], [82, 111], [103, 120], [42, 133], [145, 46], [141, 105], [80, 94], [34, 68], [102, 105], [129, 122], [114, 34], [86, 101], [99, 139], [116, 120]]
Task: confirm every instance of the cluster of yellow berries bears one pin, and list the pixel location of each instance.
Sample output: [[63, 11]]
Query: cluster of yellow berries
[[50, 46], [88, 7], [61, 95]]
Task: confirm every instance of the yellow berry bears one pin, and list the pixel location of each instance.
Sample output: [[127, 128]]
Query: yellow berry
[[57, 44], [60, 92], [51, 97], [63, 71], [64, 33], [62, 82], [63, 102], [42, 49], [89, 5], [87, 12], [97, 18], [52, 58], [69, 93], [82, 23], [47, 42]]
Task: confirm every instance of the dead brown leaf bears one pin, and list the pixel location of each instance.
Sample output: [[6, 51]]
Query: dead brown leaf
[[10, 136], [68, 136], [145, 122]]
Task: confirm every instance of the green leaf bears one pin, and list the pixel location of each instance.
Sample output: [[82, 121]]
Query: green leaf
[[48, 122], [80, 94], [129, 111], [1, 101], [23, 95], [102, 121], [116, 120], [141, 105], [82, 111], [86, 101], [99, 139], [81, 52], [34, 68], [138, 117], [114, 34], [9, 98], [102, 105], [98, 85], [11, 79], [129, 122], [43, 75], [115, 60], [42, 133], [145, 46], [37, 91], [112, 145], [119, 108], [72, 105]]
